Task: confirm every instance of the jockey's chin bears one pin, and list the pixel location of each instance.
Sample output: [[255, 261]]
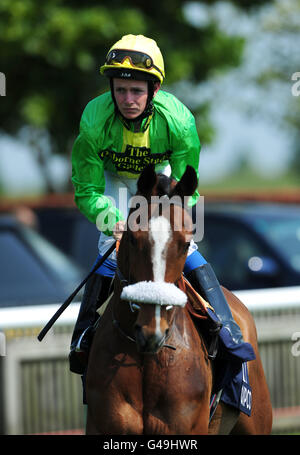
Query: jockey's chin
[[130, 114]]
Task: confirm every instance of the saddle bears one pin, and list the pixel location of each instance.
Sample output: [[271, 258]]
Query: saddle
[[196, 304], [198, 308]]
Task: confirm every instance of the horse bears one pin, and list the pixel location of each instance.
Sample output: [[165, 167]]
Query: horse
[[149, 369]]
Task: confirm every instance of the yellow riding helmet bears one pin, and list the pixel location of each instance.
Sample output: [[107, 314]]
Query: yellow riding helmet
[[136, 53]]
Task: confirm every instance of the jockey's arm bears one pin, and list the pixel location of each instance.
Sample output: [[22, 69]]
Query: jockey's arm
[[186, 151], [89, 183]]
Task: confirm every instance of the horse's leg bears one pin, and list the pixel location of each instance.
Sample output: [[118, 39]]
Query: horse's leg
[[260, 421]]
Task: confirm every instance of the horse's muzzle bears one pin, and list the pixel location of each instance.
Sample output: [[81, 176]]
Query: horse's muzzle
[[149, 343]]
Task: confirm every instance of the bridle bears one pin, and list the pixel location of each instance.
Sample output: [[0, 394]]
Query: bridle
[[133, 307]]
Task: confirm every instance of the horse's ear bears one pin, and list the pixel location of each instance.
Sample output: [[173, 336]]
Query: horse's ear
[[187, 184], [147, 180]]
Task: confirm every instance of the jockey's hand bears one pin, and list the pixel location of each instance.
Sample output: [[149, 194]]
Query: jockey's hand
[[118, 230]]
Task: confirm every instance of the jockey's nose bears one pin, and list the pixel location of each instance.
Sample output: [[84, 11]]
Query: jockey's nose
[[128, 98]]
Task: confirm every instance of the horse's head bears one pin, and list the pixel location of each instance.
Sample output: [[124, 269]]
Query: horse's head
[[153, 251]]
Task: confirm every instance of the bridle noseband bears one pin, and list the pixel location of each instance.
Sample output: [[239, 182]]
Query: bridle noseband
[[133, 306]]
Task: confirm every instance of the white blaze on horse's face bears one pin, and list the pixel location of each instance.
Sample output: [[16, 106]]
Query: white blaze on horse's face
[[156, 292], [160, 234]]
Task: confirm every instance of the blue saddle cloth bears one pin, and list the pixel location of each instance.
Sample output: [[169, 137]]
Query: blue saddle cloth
[[231, 372]]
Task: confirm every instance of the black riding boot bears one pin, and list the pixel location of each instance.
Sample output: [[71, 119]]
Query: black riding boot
[[95, 294], [203, 279]]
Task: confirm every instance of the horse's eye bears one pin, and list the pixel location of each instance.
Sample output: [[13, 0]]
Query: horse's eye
[[134, 307], [186, 247]]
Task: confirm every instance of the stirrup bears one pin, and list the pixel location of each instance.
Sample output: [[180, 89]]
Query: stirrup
[[78, 356], [78, 347]]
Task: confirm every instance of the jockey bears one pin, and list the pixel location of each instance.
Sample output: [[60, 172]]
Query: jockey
[[121, 132]]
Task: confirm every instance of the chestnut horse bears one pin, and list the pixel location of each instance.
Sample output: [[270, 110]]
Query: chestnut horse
[[149, 371]]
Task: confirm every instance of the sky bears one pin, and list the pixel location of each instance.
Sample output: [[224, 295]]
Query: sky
[[248, 118]]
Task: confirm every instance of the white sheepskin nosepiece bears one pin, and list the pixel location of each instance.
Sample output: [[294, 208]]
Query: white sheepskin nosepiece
[[158, 293]]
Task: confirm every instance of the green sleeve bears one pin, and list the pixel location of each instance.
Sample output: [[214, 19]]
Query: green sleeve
[[186, 150], [89, 184]]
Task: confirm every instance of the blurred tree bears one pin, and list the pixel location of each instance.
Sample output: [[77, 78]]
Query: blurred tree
[[285, 24], [279, 76], [51, 52]]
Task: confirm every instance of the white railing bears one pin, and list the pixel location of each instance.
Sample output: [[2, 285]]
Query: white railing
[[270, 299], [256, 300], [279, 301], [36, 316]]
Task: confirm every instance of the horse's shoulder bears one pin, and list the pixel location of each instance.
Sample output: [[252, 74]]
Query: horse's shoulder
[[241, 314], [235, 303]]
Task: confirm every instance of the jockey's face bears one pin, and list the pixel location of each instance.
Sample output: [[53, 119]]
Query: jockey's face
[[131, 97]]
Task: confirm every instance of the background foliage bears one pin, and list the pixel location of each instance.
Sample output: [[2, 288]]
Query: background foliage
[[51, 52]]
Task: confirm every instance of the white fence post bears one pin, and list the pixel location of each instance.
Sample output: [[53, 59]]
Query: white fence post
[[2, 84]]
